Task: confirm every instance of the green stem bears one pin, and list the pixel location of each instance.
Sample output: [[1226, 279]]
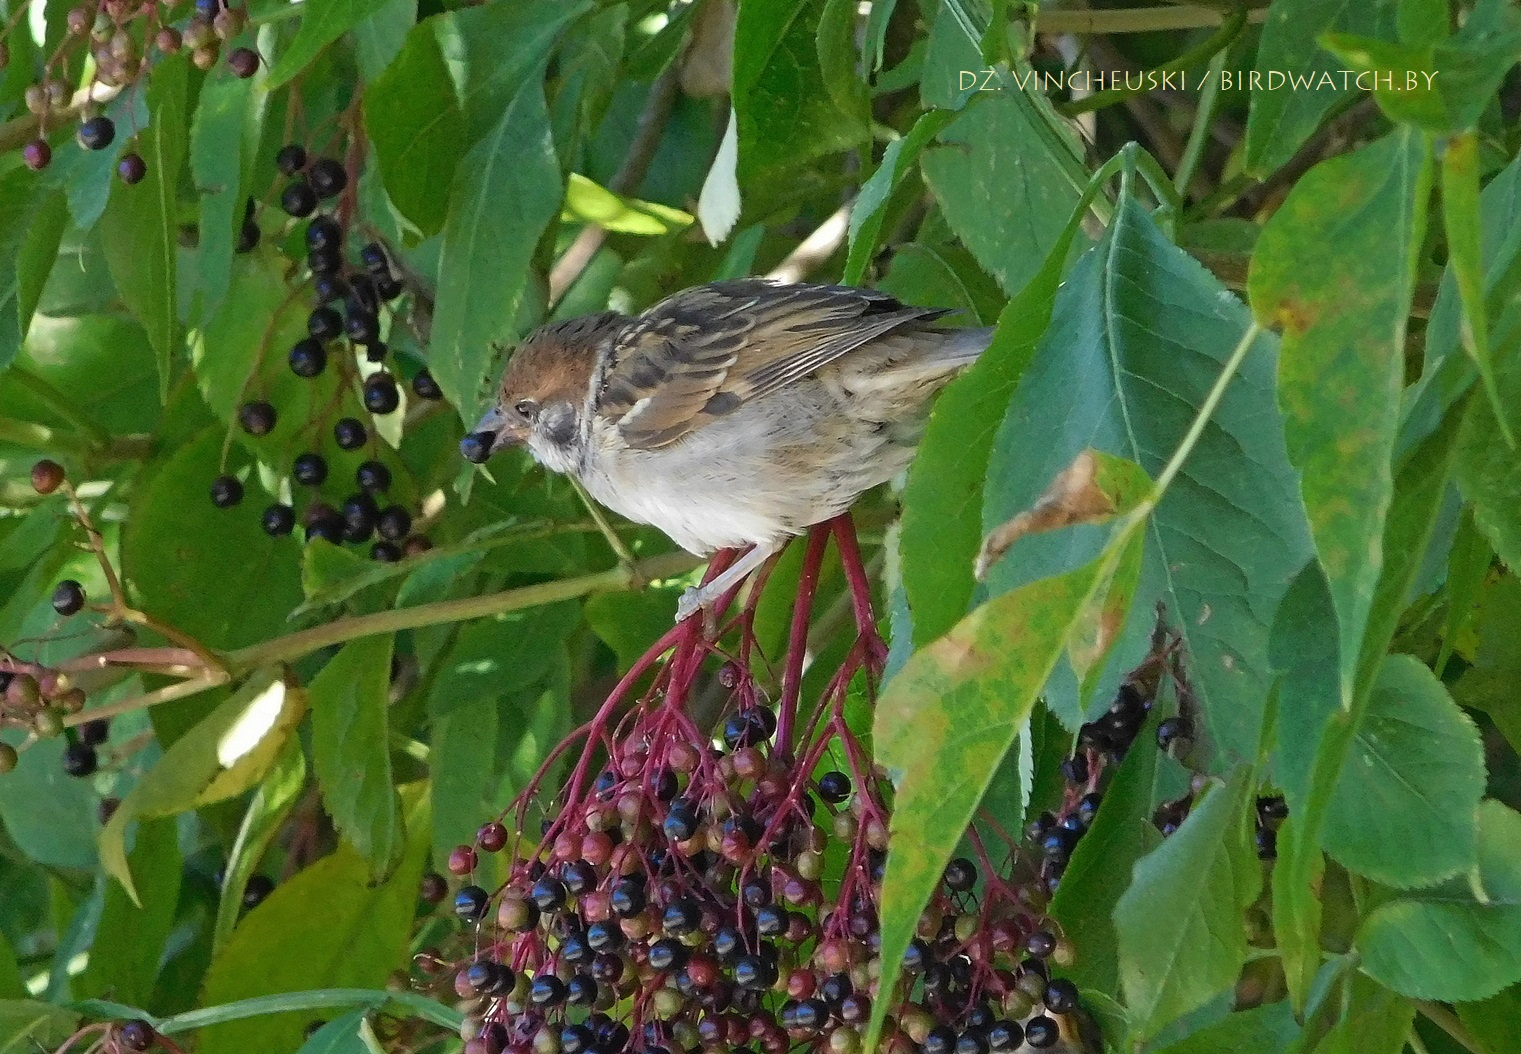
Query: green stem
[[421, 1006], [1199, 134], [1206, 411], [60, 404], [295, 645], [1216, 42]]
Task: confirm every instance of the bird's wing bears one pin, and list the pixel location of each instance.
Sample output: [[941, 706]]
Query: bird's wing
[[708, 350]]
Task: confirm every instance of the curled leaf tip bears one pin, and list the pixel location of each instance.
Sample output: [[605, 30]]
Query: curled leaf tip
[[1073, 497]]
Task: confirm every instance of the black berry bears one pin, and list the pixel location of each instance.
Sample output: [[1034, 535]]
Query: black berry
[[359, 515], [310, 469], [1061, 996], [324, 324], [1042, 1032], [385, 552], [136, 1035], [257, 418], [373, 476], [68, 597], [226, 492], [94, 733], [374, 259], [131, 168], [960, 875], [328, 177], [308, 358], [324, 233], [361, 325], [380, 393], [97, 133], [470, 903], [257, 888], [1175, 734], [834, 787], [350, 433], [425, 386], [79, 759], [325, 261], [244, 62], [278, 520], [291, 159], [298, 199], [476, 447]]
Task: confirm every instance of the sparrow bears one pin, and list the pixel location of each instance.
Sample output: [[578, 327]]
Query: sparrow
[[733, 414]]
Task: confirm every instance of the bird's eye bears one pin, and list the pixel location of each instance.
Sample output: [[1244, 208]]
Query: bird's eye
[[527, 407]]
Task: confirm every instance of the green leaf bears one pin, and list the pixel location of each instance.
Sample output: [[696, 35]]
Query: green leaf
[[328, 927], [1010, 226], [838, 59], [1138, 337], [1460, 218], [212, 573], [351, 750], [227, 752], [1260, 1030], [11, 984], [47, 813], [338, 1036], [25, 1025], [1459, 941], [1376, 1021], [1489, 684], [224, 135], [322, 22], [942, 507], [1495, 1023], [129, 942], [1334, 269], [786, 114], [421, 136], [31, 226], [379, 38], [589, 202], [1440, 85], [140, 226], [947, 718], [1299, 82], [869, 209], [1414, 776], [1488, 470], [447, 89], [506, 193], [1182, 938], [267, 811], [1099, 871]]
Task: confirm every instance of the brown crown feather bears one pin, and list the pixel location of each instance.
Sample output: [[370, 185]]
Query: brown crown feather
[[557, 361]]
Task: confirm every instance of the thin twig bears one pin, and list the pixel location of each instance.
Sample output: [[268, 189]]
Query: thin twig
[[814, 249], [630, 174]]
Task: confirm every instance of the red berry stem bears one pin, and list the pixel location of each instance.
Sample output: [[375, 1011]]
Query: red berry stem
[[797, 638]]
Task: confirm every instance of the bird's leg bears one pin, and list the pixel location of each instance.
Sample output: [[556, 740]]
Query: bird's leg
[[695, 599]]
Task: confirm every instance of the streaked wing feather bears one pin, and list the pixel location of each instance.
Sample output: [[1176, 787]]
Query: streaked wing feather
[[704, 352]]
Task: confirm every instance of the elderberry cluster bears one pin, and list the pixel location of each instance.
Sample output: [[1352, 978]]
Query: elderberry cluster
[[122, 39], [707, 893], [347, 321], [38, 699]]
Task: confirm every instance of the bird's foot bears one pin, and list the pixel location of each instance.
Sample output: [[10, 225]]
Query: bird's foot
[[692, 601]]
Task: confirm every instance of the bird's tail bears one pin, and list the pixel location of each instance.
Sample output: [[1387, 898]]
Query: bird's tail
[[964, 345]]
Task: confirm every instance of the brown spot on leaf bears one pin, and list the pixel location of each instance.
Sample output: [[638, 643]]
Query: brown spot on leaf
[[1073, 497]]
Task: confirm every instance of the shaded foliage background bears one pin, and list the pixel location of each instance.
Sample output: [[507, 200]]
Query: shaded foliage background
[[1294, 308]]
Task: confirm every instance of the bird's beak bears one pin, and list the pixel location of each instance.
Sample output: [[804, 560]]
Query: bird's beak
[[493, 432]]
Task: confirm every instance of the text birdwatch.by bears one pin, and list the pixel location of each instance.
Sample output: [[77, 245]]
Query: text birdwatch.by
[[733, 414]]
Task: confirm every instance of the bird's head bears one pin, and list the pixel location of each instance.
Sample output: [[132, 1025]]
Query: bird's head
[[544, 393]]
